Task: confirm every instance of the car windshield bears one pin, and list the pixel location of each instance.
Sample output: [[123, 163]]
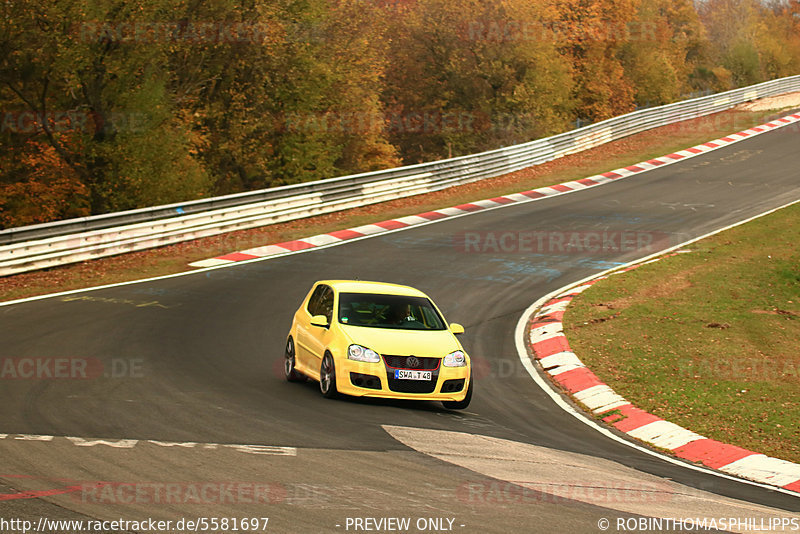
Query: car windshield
[[388, 311]]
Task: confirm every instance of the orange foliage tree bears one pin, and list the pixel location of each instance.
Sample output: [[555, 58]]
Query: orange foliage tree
[[591, 34], [50, 189]]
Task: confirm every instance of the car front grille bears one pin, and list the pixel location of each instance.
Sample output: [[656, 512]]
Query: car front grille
[[416, 363], [412, 362], [413, 386]]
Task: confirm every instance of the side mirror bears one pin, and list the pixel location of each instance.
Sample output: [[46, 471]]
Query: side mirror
[[456, 328], [319, 320]]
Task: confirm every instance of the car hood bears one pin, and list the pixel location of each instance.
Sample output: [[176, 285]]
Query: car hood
[[428, 343]]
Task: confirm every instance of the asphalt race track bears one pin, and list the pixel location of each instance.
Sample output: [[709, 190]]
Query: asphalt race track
[[183, 367]]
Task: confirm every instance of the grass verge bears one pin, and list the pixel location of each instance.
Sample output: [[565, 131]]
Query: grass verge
[[707, 340], [175, 258]]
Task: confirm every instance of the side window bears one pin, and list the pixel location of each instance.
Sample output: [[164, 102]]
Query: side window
[[314, 301], [326, 304]]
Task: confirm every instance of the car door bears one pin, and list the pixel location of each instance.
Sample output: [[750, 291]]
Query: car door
[[319, 336], [304, 358]]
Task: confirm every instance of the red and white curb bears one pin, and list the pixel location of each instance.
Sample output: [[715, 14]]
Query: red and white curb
[[550, 347], [339, 236]]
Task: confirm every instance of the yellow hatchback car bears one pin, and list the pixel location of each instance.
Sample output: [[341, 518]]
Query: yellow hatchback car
[[372, 339]]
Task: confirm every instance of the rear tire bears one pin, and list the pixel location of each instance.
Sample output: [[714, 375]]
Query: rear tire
[[292, 374], [327, 377], [460, 405]]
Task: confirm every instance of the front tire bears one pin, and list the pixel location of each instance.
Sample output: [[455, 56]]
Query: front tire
[[460, 405], [292, 374], [327, 377]]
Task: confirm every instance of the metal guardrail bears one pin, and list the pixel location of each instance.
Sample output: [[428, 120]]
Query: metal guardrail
[[45, 245]]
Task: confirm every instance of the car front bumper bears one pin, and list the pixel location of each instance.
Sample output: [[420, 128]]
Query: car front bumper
[[362, 379]]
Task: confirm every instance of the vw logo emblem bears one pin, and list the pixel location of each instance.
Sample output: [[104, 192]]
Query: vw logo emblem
[[412, 362]]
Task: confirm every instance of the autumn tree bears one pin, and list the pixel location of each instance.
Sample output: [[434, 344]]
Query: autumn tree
[[123, 142], [471, 75], [664, 51], [288, 107], [591, 35], [752, 41], [778, 39]]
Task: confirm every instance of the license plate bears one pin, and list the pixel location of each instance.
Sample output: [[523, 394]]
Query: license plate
[[402, 374]]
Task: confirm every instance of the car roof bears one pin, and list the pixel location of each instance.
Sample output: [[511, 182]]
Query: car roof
[[360, 286]]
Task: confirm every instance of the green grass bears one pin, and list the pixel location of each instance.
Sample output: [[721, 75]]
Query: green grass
[[709, 340]]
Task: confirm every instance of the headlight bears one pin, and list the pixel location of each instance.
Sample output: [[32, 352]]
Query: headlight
[[362, 354], [455, 359]]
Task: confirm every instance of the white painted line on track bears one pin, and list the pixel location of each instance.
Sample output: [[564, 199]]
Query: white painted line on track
[[270, 450]]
